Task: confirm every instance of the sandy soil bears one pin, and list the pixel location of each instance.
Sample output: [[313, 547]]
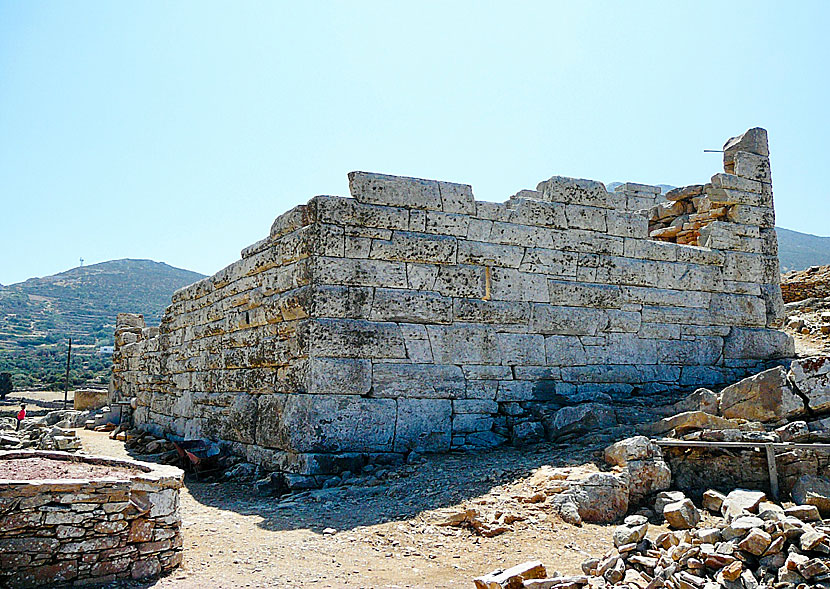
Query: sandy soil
[[377, 534], [22, 469]]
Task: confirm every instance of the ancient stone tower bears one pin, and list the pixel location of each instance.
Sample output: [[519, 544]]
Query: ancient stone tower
[[412, 317]]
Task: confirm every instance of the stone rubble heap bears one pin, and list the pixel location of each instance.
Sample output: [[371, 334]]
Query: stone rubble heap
[[814, 282], [49, 432], [740, 541]]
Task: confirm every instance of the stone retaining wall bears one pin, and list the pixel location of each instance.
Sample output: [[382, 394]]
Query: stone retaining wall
[[413, 317], [55, 532]]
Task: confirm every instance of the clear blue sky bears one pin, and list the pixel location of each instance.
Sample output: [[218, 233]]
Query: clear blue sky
[[178, 131]]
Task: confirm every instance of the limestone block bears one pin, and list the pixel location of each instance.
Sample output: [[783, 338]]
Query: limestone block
[[622, 348], [585, 217], [446, 223], [464, 344], [291, 221], [416, 339], [467, 423], [457, 198], [486, 372], [578, 240], [628, 271], [461, 281], [424, 425], [699, 255], [269, 413], [482, 389], [750, 215], [719, 235], [564, 350], [326, 240], [702, 351], [489, 254], [347, 211], [421, 276], [562, 320], [579, 294], [743, 267], [811, 376], [339, 376], [475, 406], [417, 221], [434, 381], [335, 423], [521, 235], [359, 272], [524, 349], [400, 191], [574, 191], [758, 344], [733, 182], [536, 212], [741, 310], [355, 338], [631, 225], [237, 423], [479, 311], [624, 321], [507, 284], [348, 302], [479, 230], [548, 261], [763, 397], [489, 210], [407, 246], [664, 297], [637, 187], [411, 306], [580, 419], [754, 167], [527, 390]]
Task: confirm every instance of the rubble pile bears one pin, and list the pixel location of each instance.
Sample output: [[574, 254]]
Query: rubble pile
[[739, 541], [812, 283], [49, 432], [686, 211]]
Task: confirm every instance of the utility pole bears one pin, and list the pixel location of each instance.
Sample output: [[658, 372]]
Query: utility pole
[[66, 380]]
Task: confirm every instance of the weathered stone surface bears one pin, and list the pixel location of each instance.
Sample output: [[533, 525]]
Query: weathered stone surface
[[763, 397], [579, 420], [739, 501], [681, 515], [813, 490], [423, 425], [412, 290]]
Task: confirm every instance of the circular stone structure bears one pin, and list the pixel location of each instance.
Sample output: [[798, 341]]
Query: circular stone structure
[[86, 519]]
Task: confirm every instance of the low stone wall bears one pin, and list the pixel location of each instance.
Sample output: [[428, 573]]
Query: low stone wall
[[73, 531]]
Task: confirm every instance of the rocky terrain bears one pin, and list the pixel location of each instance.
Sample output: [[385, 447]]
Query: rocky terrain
[[39, 315], [807, 306]]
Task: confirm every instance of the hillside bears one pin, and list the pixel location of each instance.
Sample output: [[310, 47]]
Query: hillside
[[798, 251], [39, 315]]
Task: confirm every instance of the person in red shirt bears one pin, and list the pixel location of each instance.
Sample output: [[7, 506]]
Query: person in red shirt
[[21, 415]]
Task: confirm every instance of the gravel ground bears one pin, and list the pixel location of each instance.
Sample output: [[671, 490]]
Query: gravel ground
[[374, 533]]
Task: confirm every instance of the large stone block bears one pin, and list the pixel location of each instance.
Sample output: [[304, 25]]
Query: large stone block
[[336, 423], [432, 381], [758, 344], [489, 254], [354, 338], [357, 272], [339, 376], [424, 425], [464, 344], [457, 198], [399, 191], [411, 306], [574, 191], [407, 246], [561, 320], [763, 397]]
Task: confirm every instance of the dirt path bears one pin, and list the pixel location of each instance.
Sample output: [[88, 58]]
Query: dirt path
[[376, 534]]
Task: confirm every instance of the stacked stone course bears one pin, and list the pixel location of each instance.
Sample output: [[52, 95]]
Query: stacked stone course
[[413, 317], [73, 531]]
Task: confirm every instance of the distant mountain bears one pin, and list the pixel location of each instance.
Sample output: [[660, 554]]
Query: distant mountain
[[39, 315], [797, 251]]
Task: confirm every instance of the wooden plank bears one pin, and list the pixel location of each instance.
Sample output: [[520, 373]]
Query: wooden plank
[[727, 445], [773, 471]]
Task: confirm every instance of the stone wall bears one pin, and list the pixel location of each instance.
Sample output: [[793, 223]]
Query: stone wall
[[413, 317], [55, 532]]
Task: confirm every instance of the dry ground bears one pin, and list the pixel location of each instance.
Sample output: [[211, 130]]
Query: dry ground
[[370, 535]]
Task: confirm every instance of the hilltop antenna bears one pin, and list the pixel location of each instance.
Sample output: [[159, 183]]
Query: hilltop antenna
[[82, 262]]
